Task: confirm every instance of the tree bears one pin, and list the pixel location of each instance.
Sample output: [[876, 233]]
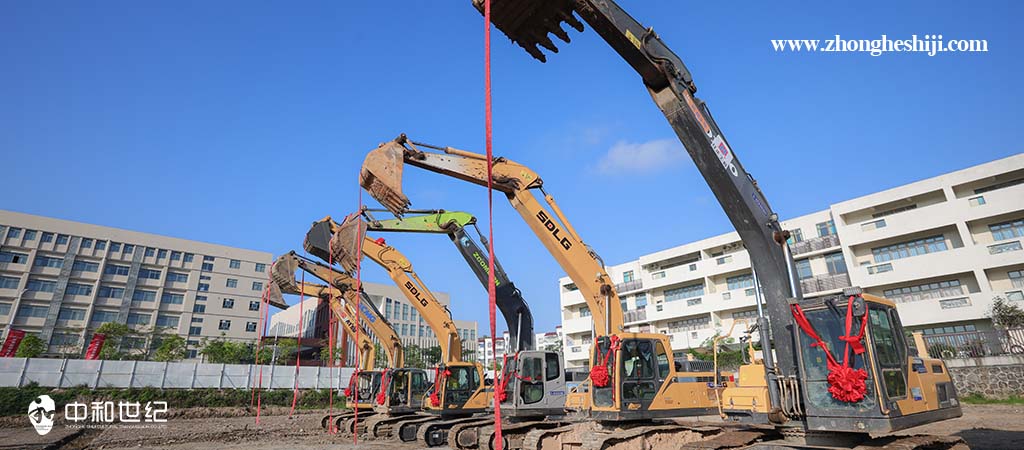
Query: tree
[[172, 348], [432, 355], [414, 357], [115, 336], [285, 349], [1005, 314], [223, 351], [31, 347]]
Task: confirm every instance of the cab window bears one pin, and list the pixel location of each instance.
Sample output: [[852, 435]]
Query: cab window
[[551, 368], [889, 351]]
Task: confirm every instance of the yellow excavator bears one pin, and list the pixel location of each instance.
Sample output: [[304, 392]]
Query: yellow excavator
[[458, 391], [364, 392]]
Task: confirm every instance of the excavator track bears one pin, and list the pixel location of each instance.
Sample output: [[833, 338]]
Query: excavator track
[[481, 436], [383, 426], [435, 434]]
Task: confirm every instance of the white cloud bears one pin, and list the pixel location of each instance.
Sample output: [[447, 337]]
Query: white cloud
[[644, 157]]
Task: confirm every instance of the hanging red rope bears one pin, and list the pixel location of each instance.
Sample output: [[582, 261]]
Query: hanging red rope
[[845, 383], [264, 315], [298, 349], [359, 289], [490, 210], [330, 364]]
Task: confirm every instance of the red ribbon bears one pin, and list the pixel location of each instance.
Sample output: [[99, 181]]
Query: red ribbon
[[845, 383]]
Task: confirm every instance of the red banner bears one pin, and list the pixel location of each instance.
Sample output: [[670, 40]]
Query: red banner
[[93, 352], [11, 344]]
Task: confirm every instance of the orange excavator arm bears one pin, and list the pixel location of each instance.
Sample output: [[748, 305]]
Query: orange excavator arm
[[382, 177], [331, 241]]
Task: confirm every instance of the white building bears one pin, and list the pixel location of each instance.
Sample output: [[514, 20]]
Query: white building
[[942, 248], [486, 355], [549, 340]]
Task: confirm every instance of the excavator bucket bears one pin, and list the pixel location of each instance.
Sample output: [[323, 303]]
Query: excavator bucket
[[528, 22], [318, 239], [282, 273], [345, 244], [381, 176]]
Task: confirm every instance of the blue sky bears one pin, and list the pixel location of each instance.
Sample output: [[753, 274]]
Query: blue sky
[[240, 123]]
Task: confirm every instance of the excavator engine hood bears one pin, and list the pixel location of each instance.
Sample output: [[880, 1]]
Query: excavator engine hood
[[381, 176], [528, 22], [345, 244]]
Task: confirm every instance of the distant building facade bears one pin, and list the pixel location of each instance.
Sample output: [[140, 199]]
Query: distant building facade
[[941, 248], [60, 280]]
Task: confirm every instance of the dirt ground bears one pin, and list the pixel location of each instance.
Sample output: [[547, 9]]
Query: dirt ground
[[984, 427]]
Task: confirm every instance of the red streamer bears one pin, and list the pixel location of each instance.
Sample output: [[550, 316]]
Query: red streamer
[[490, 210]]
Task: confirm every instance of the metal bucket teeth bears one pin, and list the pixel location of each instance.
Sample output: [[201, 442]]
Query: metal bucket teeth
[[381, 176], [345, 244], [282, 273], [528, 22]]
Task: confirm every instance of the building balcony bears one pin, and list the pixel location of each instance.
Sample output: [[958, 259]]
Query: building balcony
[[953, 307], [577, 325], [572, 298], [822, 283], [635, 315], [629, 286], [816, 244], [957, 260]]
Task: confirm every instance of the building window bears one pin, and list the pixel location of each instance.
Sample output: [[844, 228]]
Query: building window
[[175, 256], [1007, 230], [199, 308], [197, 320], [873, 225], [231, 283], [47, 237], [260, 267], [200, 298], [203, 287], [116, 269], [803, 269], [826, 228], [695, 290], [9, 282], [48, 261], [911, 248], [143, 296], [658, 275], [976, 201], [835, 262], [749, 314], [1001, 185], [149, 274], [795, 235], [1016, 277], [30, 235], [585, 311], [693, 301], [28, 311], [627, 276], [115, 247], [1015, 296], [228, 303], [189, 257], [71, 314], [235, 264], [641, 301], [167, 321], [172, 299], [86, 243], [99, 317], [111, 292], [195, 331], [13, 257], [254, 306], [62, 239], [150, 251], [695, 323], [1004, 247], [128, 249], [726, 295], [723, 259], [177, 277], [78, 289], [101, 245], [139, 319], [405, 312], [250, 326], [85, 266], [257, 285], [5, 308], [740, 281], [224, 325], [40, 285], [14, 233], [927, 291], [955, 303], [161, 254], [208, 258]]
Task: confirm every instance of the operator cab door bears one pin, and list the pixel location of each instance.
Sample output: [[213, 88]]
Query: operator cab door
[[641, 374], [890, 352], [419, 387]]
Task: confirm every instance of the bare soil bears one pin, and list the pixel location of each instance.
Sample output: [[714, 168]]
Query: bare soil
[[984, 427]]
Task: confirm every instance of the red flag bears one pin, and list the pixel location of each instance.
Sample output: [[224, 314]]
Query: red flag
[[11, 343], [95, 346]]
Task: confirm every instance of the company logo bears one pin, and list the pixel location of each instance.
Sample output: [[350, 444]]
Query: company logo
[[41, 412], [550, 225], [415, 292], [367, 313]]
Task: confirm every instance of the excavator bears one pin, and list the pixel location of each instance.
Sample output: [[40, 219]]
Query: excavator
[[804, 392], [532, 385], [365, 386], [459, 391]]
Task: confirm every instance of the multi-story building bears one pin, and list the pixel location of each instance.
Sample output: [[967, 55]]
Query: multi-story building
[[550, 340], [391, 302], [486, 354], [60, 280], [942, 248]]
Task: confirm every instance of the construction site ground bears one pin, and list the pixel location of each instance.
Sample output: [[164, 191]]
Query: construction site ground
[[984, 427]]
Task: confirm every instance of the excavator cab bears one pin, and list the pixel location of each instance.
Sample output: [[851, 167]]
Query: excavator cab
[[404, 390], [458, 390], [532, 384], [365, 385], [902, 389]]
